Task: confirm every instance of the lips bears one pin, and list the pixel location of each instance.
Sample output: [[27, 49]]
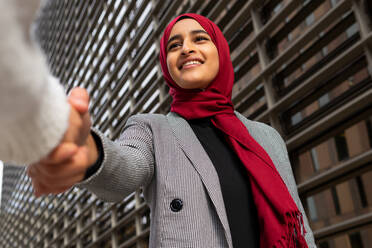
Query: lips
[[190, 62]]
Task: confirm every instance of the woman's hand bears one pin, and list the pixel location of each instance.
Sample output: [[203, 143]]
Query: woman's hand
[[67, 163]]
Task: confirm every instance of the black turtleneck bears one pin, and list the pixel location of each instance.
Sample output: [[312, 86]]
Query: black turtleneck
[[236, 190]]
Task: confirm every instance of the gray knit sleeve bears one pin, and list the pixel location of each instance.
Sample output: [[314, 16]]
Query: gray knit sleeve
[[33, 105], [128, 163]]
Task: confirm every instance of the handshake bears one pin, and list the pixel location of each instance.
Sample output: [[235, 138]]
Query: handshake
[[67, 164]]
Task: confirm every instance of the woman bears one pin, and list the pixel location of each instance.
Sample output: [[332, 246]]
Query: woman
[[211, 177]]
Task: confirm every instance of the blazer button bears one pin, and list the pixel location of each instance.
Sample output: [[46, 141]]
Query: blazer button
[[176, 205]]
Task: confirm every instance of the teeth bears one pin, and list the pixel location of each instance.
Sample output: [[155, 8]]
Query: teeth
[[191, 62]]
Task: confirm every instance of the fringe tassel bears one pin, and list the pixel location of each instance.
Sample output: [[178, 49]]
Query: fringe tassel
[[295, 233]]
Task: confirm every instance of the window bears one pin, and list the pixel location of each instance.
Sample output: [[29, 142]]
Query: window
[[296, 118], [368, 7], [336, 202], [312, 208], [324, 244], [314, 158], [369, 131], [324, 51], [341, 147], [277, 8], [356, 240], [352, 30], [362, 192], [290, 37], [310, 19], [334, 2], [323, 100]]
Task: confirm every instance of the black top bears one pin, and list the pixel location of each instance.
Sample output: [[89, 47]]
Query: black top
[[95, 167], [236, 190]]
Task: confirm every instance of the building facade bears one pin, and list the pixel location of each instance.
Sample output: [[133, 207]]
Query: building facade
[[304, 67]]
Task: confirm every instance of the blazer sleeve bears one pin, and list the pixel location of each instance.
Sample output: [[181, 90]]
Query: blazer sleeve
[[287, 175], [127, 165]]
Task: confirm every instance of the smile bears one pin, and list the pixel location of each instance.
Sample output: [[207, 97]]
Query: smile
[[190, 63]]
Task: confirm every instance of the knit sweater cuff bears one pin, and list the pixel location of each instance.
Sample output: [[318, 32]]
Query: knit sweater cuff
[[38, 132]]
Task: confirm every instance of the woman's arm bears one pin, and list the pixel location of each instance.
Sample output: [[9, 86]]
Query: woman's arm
[[127, 165]]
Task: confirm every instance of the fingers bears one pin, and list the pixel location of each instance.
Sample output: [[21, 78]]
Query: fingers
[[79, 119], [66, 165], [40, 189], [79, 128], [61, 153], [57, 178], [79, 99]]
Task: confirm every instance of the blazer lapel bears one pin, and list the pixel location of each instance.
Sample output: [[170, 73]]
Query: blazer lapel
[[193, 149]]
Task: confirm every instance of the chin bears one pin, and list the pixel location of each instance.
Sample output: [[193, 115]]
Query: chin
[[193, 85]]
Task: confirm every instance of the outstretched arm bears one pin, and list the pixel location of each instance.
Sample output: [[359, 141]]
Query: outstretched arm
[[126, 165]]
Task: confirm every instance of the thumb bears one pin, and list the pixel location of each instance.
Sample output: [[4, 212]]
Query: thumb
[[79, 99]]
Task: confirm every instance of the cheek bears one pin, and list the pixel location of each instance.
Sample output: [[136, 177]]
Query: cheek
[[171, 65]]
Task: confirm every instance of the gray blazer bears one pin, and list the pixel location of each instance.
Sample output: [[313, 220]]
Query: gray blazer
[[162, 155]]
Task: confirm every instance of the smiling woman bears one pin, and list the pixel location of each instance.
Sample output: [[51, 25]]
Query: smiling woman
[[211, 177], [192, 57]]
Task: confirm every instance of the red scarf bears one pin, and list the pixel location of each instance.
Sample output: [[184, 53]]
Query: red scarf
[[280, 221]]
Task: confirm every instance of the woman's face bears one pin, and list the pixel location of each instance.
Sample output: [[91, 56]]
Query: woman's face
[[192, 57]]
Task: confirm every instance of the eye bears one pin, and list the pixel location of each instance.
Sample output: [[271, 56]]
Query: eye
[[200, 38], [174, 45]]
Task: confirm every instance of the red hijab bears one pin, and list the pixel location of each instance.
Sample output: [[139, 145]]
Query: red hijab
[[280, 220]]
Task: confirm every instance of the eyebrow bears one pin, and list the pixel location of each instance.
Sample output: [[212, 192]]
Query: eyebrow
[[178, 36]]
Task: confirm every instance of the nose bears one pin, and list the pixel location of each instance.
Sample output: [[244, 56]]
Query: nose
[[187, 47]]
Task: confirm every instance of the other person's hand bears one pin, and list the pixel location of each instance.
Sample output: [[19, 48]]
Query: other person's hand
[[66, 165]]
